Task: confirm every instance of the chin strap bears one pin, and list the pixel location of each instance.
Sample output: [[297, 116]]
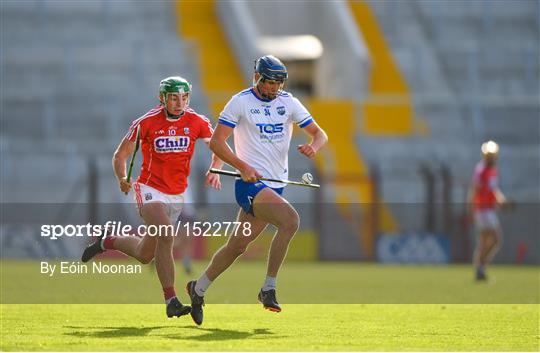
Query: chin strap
[[173, 117], [169, 115]]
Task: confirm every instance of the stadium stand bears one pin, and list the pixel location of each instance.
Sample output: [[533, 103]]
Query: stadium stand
[[74, 92], [471, 71]]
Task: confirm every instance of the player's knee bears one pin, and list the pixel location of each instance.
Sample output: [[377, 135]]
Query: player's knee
[[291, 223]]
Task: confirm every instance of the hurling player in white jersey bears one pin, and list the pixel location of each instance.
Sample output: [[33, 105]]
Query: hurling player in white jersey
[[261, 120]]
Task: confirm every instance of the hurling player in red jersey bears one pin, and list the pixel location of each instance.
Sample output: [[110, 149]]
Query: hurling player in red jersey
[[484, 199], [167, 136]]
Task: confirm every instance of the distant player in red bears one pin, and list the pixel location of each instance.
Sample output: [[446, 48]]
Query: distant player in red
[[484, 200], [167, 136]]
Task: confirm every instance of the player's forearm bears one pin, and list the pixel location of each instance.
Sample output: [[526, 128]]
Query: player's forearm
[[216, 162], [120, 157], [319, 140], [224, 152], [119, 166]]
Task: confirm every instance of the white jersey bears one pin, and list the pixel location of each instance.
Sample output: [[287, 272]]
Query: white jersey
[[263, 130]]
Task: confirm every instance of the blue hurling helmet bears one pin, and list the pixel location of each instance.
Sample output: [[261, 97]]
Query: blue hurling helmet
[[271, 68]]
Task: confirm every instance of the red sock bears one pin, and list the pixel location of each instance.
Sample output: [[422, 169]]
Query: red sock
[[169, 293], [108, 242]]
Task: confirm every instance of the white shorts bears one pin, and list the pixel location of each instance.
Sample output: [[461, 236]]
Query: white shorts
[[144, 194], [486, 219]]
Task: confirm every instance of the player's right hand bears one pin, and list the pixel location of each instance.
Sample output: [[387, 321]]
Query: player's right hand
[[125, 186], [250, 174]]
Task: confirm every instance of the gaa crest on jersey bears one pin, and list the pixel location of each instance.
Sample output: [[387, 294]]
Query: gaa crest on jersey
[[148, 196], [186, 131], [281, 110], [165, 144]]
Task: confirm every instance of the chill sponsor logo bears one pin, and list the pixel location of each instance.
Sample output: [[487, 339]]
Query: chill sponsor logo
[[271, 132], [164, 144]]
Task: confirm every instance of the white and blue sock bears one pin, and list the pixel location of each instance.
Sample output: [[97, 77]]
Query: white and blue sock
[[269, 283], [202, 285]]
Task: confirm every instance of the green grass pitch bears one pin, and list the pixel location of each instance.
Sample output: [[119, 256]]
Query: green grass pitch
[[352, 307]]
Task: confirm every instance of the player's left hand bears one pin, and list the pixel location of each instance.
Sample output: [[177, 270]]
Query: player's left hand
[[212, 180], [307, 150]]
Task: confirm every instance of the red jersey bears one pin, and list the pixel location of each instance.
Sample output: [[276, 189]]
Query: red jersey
[[485, 180], [167, 147]]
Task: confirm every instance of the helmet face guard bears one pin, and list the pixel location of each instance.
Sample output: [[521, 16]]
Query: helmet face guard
[[262, 80], [173, 85], [271, 68]]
